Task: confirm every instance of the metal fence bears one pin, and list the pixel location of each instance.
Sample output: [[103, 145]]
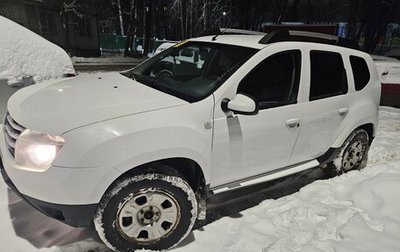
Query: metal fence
[[115, 43]]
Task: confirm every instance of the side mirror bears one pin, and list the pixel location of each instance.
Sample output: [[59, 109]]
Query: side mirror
[[241, 104]]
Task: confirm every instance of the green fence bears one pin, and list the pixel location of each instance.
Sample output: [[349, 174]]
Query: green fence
[[114, 43]]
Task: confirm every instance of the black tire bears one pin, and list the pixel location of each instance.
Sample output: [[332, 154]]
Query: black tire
[[353, 154], [134, 203]]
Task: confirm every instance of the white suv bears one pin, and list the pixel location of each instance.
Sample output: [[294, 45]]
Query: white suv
[[138, 153]]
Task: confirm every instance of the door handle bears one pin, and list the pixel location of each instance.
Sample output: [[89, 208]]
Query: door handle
[[343, 111], [294, 122]]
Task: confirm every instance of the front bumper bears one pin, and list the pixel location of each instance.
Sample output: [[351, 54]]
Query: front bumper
[[73, 215], [70, 195]]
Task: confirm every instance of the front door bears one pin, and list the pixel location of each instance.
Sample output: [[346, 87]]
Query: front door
[[250, 145]]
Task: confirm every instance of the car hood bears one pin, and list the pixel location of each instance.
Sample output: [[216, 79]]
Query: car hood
[[57, 107]]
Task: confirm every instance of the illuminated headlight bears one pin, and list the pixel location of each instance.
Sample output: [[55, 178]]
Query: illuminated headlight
[[36, 150]]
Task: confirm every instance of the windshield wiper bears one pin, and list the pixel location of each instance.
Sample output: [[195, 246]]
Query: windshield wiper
[[132, 76], [129, 75]]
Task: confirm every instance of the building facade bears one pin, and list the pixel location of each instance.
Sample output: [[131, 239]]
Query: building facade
[[71, 24]]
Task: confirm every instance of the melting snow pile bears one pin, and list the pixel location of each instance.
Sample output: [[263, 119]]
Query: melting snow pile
[[25, 55]]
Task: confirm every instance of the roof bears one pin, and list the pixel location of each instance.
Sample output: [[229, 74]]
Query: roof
[[259, 40], [234, 39]]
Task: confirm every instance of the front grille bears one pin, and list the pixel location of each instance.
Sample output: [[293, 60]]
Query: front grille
[[12, 131]]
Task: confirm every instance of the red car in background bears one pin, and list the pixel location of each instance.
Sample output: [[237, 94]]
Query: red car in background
[[389, 74]]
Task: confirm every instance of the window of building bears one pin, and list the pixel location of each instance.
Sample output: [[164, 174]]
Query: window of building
[[328, 75], [275, 81], [48, 22], [14, 12], [84, 28], [360, 72]]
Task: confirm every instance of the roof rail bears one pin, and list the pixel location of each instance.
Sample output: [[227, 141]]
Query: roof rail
[[285, 35], [240, 31], [220, 31]]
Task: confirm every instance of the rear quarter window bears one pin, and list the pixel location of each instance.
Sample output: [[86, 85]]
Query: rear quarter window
[[360, 72]]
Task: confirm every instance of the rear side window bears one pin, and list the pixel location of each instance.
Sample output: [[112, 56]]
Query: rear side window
[[360, 72], [328, 75]]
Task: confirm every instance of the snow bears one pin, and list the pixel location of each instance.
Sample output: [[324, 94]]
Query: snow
[[109, 59], [357, 211], [26, 56]]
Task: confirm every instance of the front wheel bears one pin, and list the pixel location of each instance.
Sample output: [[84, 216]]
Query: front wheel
[[353, 154], [150, 211]]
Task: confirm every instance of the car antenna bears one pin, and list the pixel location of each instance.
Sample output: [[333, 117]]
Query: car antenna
[[216, 35], [221, 32]]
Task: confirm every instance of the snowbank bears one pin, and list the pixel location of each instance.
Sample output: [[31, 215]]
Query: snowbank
[[357, 211], [25, 54]]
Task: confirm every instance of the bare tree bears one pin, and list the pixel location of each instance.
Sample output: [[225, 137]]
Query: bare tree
[[71, 6], [121, 22], [373, 18], [147, 25], [131, 31], [282, 9], [69, 9]]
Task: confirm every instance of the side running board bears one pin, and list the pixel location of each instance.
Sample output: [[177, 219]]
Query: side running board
[[266, 177]]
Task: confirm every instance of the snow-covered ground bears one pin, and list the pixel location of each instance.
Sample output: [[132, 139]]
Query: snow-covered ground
[[26, 56], [105, 59], [358, 211]]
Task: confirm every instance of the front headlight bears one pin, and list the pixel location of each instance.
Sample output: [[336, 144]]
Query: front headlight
[[36, 151]]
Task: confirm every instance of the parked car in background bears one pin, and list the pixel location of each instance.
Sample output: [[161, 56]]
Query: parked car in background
[[138, 153], [389, 75]]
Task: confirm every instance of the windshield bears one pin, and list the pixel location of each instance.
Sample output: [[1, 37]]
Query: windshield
[[191, 70]]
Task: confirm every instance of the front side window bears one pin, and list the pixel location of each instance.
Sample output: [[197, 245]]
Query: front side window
[[328, 75], [275, 81], [192, 70]]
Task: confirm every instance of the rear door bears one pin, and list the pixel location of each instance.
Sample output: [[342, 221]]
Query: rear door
[[325, 112]]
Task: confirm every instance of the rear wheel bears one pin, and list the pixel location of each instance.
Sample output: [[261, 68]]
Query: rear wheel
[[353, 154], [151, 211]]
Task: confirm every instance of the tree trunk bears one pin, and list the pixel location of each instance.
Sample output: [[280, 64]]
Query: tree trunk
[[121, 23], [147, 26], [205, 6], [281, 11], [183, 19], [129, 51]]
